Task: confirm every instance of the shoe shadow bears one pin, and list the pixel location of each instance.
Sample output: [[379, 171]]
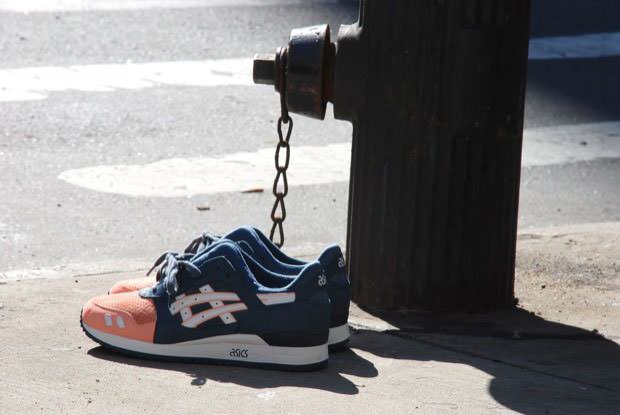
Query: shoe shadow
[[328, 379], [538, 366]]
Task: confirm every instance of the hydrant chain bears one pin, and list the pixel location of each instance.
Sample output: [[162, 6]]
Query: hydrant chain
[[278, 213]]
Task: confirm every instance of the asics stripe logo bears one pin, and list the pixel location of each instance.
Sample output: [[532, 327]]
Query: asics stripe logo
[[197, 319], [215, 299]]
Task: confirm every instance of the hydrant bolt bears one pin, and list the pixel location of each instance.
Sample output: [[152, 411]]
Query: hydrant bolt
[[265, 68]]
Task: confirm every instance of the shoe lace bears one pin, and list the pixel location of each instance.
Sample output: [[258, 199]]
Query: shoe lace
[[164, 260], [173, 267], [203, 241]]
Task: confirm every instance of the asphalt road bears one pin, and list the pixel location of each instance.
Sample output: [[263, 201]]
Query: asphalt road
[[46, 222]]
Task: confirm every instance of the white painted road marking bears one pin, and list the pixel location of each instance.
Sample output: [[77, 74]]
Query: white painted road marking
[[205, 175], [37, 82], [309, 166], [593, 45], [26, 6]]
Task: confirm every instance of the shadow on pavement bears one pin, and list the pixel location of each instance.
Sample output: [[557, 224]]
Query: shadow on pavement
[[538, 366], [329, 379]]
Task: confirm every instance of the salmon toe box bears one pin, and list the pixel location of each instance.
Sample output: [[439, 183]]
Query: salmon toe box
[[127, 315]]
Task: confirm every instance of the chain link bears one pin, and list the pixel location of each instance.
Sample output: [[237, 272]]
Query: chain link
[[278, 212]]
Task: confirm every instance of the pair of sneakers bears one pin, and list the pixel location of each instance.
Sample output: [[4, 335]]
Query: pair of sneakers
[[236, 299]]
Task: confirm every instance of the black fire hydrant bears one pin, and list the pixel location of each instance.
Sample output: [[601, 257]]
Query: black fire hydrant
[[435, 91]]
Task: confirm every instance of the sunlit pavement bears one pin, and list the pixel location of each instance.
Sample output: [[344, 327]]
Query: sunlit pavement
[[117, 123]]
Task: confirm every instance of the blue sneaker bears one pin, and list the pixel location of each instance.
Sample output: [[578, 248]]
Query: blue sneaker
[[262, 250], [216, 308]]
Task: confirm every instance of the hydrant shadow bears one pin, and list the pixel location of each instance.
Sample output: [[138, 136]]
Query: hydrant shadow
[[329, 379], [537, 366]]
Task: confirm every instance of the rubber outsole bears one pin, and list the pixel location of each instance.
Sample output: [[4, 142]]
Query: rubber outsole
[[338, 337], [210, 361]]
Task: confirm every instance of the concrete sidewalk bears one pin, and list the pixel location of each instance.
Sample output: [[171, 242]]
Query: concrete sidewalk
[[560, 356]]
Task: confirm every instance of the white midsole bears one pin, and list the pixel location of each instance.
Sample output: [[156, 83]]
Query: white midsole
[[243, 348], [338, 334]]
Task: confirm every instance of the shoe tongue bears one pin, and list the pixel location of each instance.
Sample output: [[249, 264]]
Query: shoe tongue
[[235, 256], [208, 252], [203, 243], [222, 248]]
